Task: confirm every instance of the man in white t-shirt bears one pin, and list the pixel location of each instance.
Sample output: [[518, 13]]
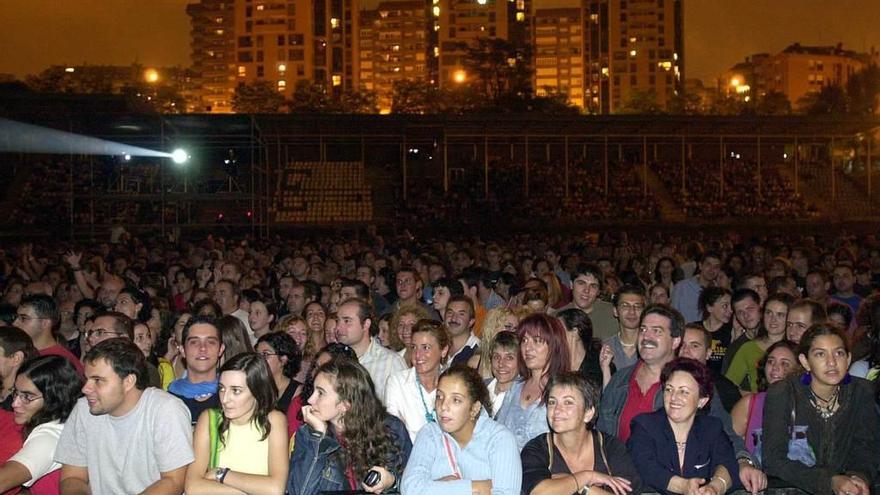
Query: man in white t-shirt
[[123, 436]]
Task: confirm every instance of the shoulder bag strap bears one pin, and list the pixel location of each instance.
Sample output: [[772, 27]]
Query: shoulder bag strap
[[213, 425]]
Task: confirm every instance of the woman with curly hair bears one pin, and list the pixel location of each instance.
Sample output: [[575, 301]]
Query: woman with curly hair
[[283, 358], [500, 319], [243, 445], [348, 441], [46, 389]]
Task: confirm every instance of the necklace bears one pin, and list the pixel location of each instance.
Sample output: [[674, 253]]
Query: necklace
[[622, 343], [429, 415], [825, 407]]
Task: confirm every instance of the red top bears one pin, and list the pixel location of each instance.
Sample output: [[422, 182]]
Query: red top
[[636, 403], [12, 440], [60, 350]]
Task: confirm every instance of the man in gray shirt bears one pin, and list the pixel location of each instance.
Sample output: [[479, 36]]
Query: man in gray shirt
[[123, 436]]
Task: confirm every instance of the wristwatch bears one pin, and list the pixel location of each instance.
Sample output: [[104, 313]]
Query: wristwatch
[[220, 474]]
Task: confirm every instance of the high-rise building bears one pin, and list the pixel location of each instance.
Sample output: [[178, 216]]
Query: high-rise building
[[284, 42], [632, 47], [397, 44], [559, 54], [213, 53], [461, 24]]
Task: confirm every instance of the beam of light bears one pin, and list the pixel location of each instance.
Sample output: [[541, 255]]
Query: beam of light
[[18, 137]]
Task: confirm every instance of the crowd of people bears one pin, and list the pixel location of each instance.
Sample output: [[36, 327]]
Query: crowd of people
[[545, 201], [533, 365], [738, 195]]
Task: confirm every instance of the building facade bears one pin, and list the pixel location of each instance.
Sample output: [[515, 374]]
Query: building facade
[[212, 44], [559, 54], [632, 47]]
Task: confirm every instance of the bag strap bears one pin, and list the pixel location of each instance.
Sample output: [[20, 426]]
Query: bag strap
[[550, 451], [213, 426]]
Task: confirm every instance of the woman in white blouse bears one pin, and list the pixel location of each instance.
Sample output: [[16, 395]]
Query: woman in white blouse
[[46, 389], [409, 393]]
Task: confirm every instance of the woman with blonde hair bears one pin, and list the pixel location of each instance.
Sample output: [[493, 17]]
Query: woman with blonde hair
[[500, 319], [402, 323]]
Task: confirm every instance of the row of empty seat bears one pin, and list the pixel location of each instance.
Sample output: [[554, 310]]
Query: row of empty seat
[[323, 192]]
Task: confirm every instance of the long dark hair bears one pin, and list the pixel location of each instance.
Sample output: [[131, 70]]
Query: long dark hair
[[262, 387], [367, 440], [284, 345], [60, 384]]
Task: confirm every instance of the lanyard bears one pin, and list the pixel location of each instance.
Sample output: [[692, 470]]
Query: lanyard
[[429, 415]]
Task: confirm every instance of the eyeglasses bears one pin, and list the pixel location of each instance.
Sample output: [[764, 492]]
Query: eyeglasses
[[100, 333], [266, 354], [24, 396]]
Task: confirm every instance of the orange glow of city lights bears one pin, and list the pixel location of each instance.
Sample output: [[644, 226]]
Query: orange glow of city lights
[[151, 75]]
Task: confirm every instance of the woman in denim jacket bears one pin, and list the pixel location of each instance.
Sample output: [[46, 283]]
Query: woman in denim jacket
[[347, 436]]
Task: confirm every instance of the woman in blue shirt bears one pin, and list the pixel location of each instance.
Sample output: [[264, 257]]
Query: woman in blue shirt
[[465, 452], [544, 353]]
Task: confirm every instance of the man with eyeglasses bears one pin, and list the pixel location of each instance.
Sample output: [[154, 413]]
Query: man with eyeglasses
[[113, 325], [39, 317], [629, 302], [201, 346]]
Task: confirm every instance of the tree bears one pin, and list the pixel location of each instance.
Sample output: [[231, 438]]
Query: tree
[[257, 97], [498, 69], [773, 103], [358, 101], [685, 104], [863, 89], [640, 102], [830, 100], [414, 96]]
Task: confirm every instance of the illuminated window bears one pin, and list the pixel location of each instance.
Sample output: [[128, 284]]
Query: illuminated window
[[436, 11], [337, 80], [261, 7], [334, 22], [282, 85], [632, 53], [282, 67], [520, 16], [242, 71], [218, 31], [69, 69]]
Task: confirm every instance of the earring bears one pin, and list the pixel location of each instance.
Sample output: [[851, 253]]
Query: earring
[[806, 378]]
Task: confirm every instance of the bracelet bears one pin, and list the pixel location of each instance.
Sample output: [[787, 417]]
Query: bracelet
[[746, 460], [722, 480], [577, 485], [220, 474]]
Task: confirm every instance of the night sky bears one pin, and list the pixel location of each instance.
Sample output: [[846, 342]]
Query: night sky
[[719, 33]]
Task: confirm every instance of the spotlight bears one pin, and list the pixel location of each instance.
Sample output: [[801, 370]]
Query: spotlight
[[179, 156], [126, 157]]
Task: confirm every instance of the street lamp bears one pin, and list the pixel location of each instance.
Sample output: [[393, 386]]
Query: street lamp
[[459, 76]]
